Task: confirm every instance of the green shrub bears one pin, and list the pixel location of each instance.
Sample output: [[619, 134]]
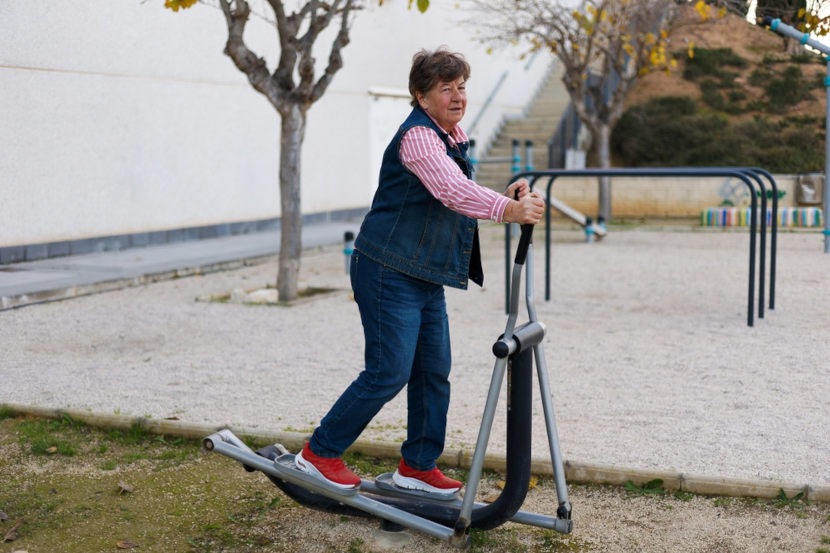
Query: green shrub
[[760, 76], [710, 95], [671, 132], [803, 121], [727, 79], [737, 96], [709, 61], [805, 57], [770, 60], [787, 90]]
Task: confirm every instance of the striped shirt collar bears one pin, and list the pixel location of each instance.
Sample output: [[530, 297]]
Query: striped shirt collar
[[457, 136]]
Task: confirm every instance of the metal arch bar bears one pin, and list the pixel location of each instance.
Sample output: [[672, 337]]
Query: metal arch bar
[[662, 172], [763, 242], [773, 249], [773, 234]]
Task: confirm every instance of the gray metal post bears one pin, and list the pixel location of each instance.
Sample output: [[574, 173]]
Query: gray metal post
[[547, 398], [515, 168], [528, 155], [805, 40], [826, 203]]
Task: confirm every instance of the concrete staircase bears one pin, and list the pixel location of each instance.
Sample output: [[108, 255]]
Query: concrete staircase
[[538, 126]]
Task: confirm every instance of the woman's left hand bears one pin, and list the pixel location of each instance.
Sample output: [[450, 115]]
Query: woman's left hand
[[520, 187]]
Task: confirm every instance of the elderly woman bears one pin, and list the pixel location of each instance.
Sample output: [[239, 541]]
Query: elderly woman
[[420, 235]]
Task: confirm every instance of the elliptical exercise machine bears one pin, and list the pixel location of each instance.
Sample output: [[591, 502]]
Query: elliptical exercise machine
[[447, 517]]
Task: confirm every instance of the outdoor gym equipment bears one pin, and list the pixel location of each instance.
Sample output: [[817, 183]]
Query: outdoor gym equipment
[[448, 518], [749, 176], [805, 40], [594, 230]]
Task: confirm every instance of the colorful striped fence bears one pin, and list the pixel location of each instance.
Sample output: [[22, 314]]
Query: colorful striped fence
[[739, 217]]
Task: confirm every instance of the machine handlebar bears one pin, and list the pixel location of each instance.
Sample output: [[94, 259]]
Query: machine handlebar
[[524, 241], [524, 244]]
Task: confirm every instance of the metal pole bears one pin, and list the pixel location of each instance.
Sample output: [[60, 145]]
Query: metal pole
[[669, 172], [515, 168], [804, 39], [528, 155], [826, 204]]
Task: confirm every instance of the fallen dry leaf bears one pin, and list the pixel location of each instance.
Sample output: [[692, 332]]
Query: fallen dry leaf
[[530, 485], [125, 544], [12, 535], [51, 450], [125, 488]]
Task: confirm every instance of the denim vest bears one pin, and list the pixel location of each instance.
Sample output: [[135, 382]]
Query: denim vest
[[410, 231]]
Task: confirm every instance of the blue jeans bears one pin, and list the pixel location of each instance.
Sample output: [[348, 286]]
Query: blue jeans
[[407, 340]]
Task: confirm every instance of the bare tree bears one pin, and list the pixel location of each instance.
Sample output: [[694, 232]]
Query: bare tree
[[291, 88], [603, 46]]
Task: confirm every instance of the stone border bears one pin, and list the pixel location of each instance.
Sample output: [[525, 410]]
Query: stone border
[[80, 290], [575, 471]]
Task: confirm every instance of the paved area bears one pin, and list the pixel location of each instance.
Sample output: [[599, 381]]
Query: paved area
[[65, 277]]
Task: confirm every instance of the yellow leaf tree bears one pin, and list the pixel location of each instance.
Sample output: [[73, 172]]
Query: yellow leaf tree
[[808, 16], [603, 47]]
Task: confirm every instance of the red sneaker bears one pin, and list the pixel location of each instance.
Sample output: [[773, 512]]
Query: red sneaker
[[432, 481], [330, 469]]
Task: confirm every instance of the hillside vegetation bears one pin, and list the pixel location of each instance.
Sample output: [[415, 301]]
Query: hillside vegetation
[[735, 98]]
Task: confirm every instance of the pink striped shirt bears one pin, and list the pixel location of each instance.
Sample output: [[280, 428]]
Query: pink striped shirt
[[423, 153]]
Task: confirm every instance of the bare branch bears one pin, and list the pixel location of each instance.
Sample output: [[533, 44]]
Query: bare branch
[[248, 62], [335, 58]]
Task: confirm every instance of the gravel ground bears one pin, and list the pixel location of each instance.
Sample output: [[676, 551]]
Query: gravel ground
[[652, 364]]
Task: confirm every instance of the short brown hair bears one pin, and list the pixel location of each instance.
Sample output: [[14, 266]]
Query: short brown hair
[[430, 68]]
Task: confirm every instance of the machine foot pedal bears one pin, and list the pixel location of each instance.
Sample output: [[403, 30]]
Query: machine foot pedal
[[285, 464], [384, 482]]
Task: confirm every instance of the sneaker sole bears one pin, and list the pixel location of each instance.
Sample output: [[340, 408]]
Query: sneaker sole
[[308, 468], [409, 483]]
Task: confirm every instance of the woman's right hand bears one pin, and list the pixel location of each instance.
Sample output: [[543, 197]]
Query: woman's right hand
[[526, 211]]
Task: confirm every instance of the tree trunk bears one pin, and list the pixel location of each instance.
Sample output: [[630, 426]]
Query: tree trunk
[[604, 158], [291, 142]]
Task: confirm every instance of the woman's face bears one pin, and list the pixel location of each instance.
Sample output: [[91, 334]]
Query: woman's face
[[446, 102]]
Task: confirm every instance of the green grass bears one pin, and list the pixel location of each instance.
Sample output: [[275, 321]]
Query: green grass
[[164, 494], [652, 487], [797, 501]]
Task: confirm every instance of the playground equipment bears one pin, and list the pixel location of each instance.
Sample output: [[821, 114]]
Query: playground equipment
[[805, 40], [447, 518], [750, 176], [594, 230], [514, 159]]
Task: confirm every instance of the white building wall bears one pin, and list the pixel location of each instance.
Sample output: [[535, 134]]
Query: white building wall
[[119, 116]]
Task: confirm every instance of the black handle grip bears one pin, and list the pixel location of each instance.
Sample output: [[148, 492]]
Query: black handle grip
[[524, 244], [524, 241]]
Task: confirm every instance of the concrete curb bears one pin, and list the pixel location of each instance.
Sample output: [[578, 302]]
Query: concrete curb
[[574, 471], [78, 290]]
